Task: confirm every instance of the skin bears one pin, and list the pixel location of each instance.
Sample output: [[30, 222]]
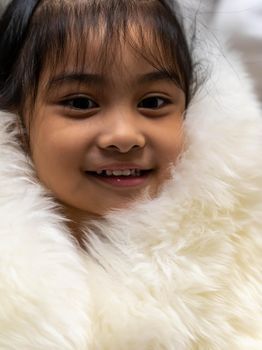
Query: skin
[[85, 124]]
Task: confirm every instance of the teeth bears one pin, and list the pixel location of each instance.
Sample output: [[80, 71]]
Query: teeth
[[126, 172], [117, 172]]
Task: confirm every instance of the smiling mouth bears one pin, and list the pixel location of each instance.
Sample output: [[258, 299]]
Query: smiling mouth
[[121, 178], [120, 173]]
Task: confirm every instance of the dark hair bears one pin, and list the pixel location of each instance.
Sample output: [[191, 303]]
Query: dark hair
[[41, 33]]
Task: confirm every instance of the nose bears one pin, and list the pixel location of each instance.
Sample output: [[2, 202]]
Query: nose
[[121, 133]]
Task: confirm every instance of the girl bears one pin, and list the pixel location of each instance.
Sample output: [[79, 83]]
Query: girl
[[130, 197]]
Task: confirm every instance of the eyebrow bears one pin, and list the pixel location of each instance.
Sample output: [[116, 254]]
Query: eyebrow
[[159, 75], [86, 78], [98, 79]]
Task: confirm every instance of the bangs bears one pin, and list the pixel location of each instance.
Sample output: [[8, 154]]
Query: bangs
[[90, 34]]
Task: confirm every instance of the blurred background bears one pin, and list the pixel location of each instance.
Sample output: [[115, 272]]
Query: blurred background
[[238, 22]]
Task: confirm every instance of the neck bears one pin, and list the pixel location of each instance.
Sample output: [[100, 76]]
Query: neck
[[77, 220]]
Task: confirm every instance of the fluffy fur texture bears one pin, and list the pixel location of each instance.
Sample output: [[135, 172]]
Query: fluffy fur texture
[[181, 272]]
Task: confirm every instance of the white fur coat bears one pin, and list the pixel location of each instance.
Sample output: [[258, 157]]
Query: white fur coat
[[182, 272]]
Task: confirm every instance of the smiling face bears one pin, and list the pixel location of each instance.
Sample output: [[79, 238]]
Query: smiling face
[[100, 140]]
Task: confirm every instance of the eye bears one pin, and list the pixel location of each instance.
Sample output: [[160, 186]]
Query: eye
[[80, 103], [153, 102]]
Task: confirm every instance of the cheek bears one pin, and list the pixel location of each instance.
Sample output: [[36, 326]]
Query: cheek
[[56, 153], [171, 141]]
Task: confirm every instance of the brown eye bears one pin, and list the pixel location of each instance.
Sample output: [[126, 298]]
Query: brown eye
[[81, 103], [153, 102]]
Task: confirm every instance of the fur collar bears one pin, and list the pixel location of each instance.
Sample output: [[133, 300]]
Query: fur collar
[[182, 272]]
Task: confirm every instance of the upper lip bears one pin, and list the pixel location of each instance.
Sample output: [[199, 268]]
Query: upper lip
[[118, 166]]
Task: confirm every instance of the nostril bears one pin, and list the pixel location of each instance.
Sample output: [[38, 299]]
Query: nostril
[[122, 142], [112, 147], [123, 148]]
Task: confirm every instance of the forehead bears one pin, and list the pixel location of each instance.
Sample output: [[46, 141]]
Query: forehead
[[127, 69], [94, 52]]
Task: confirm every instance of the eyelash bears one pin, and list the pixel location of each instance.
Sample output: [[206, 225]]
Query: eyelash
[[153, 99], [68, 103], [84, 103]]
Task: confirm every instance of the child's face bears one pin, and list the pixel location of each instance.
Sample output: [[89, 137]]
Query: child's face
[[100, 140]]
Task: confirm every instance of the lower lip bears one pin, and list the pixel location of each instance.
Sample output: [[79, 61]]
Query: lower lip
[[122, 181]]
